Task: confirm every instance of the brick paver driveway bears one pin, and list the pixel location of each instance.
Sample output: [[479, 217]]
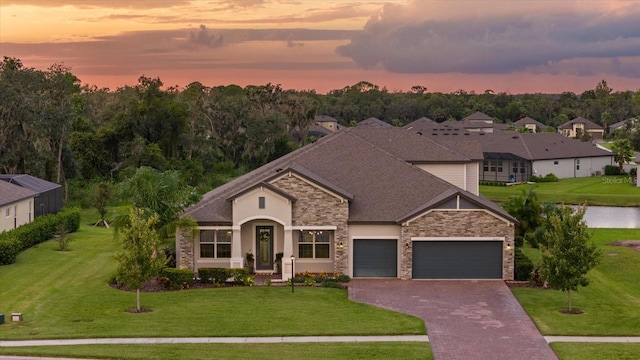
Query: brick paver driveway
[[464, 319]]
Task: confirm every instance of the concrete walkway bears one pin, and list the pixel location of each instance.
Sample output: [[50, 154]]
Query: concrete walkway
[[217, 340]]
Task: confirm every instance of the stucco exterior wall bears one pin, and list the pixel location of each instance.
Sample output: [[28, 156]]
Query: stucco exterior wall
[[567, 168], [19, 213], [457, 223], [316, 207], [473, 177], [453, 173], [246, 206]]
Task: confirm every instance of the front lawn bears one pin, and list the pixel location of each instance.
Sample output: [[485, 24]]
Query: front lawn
[[605, 190], [65, 295], [347, 351], [611, 302], [596, 351]]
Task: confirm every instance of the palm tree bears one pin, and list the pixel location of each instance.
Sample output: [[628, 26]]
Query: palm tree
[[623, 151]]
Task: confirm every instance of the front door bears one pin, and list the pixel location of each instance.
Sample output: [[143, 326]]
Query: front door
[[264, 247]]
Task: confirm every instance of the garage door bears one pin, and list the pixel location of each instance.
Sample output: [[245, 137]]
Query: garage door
[[375, 258], [457, 259]]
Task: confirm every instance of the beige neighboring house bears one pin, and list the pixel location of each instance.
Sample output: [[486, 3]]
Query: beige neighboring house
[[530, 124], [326, 122], [16, 206], [364, 201], [580, 126]]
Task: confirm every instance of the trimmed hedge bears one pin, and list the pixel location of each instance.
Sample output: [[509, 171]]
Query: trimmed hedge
[[41, 229], [178, 278], [213, 275], [523, 266], [613, 170]]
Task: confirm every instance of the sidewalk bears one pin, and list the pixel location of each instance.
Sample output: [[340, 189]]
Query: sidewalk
[[217, 340]]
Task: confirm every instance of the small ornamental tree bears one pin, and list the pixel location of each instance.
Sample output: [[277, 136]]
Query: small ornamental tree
[[568, 257], [100, 201], [138, 261]]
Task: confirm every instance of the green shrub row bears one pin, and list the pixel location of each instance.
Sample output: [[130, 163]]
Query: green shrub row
[[178, 278], [613, 170], [523, 266], [41, 229], [492, 183], [547, 178], [221, 275]]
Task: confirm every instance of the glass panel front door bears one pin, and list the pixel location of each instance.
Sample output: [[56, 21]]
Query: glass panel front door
[[264, 247]]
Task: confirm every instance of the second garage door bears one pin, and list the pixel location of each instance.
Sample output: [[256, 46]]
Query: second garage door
[[375, 258], [457, 260]]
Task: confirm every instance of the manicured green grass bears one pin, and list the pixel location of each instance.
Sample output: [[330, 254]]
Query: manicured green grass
[[596, 351], [611, 302], [380, 350], [606, 190], [65, 295]]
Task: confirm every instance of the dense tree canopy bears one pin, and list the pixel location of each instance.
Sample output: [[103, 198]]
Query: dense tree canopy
[[52, 127]]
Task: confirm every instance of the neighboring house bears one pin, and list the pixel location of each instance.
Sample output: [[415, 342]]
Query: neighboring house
[[580, 126], [421, 122], [16, 206], [356, 202], [624, 125], [478, 122], [513, 157], [326, 122], [49, 195], [374, 122], [532, 125]]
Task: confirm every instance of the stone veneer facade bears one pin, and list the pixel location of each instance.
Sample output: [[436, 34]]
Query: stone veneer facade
[[185, 249], [457, 223], [316, 207]]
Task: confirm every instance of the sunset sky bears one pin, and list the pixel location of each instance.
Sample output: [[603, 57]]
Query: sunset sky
[[513, 46]]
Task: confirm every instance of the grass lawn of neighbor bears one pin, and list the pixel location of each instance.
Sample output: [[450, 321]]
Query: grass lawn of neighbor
[[611, 302], [596, 351], [596, 190]]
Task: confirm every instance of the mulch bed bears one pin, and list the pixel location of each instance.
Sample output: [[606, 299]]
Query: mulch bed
[[632, 244]]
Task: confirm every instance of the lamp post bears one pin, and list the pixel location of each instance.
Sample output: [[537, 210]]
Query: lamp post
[[293, 272]]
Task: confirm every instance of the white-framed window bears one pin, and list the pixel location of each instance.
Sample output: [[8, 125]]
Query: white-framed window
[[314, 244], [215, 244], [7, 212], [577, 164], [262, 202]]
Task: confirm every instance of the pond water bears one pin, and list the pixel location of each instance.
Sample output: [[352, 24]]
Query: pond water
[[612, 217]]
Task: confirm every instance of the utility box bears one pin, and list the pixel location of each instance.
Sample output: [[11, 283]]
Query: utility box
[[16, 317]]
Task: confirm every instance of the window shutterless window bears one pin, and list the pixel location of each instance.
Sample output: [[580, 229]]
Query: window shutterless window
[[215, 244], [314, 244]]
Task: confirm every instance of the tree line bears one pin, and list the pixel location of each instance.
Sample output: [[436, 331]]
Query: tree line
[[53, 127]]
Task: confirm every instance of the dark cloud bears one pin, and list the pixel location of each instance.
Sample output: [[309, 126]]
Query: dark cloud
[[137, 4], [202, 37], [542, 42]]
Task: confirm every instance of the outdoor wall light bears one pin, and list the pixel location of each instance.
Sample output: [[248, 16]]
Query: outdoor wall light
[[340, 246]]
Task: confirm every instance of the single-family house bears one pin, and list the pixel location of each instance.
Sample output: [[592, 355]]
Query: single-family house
[[16, 206], [532, 125], [326, 122], [579, 127], [624, 125], [363, 201], [49, 196]]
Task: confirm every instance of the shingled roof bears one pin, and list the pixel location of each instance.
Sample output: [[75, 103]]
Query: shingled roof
[[30, 182], [527, 120], [360, 164], [10, 193], [588, 124]]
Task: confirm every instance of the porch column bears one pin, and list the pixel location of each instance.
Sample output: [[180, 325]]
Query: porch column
[[237, 260], [287, 250]]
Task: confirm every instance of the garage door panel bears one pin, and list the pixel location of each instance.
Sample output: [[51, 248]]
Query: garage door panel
[[375, 258], [457, 260]]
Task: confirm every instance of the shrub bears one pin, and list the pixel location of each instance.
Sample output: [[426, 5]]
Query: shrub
[[9, 248], [523, 266], [238, 274], [612, 170], [633, 172], [41, 229], [329, 283], [178, 278], [547, 178], [213, 275]]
